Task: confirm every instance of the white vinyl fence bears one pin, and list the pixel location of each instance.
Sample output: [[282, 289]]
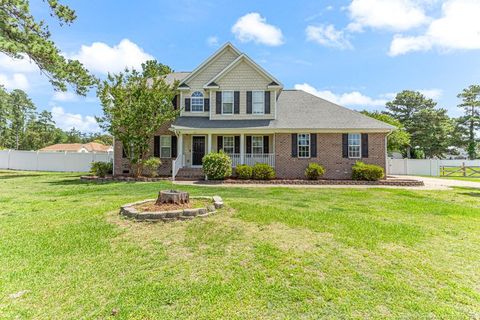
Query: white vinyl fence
[[427, 167], [50, 161]]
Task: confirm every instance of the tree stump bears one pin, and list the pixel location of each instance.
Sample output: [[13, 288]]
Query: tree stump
[[172, 196]]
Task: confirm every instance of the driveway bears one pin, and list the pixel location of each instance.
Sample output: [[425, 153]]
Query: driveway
[[433, 183]]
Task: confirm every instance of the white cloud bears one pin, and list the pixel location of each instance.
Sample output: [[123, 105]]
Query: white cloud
[[100, 57], [353, 98], [65, 96], [253, 27], [14, 81], [212, 41], [17, 65], [434, 94], [397, 15], [457, 28], [67, 121], [328, 36]]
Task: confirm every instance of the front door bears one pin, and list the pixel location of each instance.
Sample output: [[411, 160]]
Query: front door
[[198, 150]]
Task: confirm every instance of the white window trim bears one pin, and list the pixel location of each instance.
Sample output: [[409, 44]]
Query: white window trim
[[170, 147], [233, 103], [263, 105], [223, 143], [191, 102], [309, 146], [359, 146], [261, 139]]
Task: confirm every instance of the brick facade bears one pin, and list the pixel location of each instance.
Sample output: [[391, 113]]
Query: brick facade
[[329, 155], [122, 165]]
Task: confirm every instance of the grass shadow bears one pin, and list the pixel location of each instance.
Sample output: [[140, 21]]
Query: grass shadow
[[77, 181], [14, 176]]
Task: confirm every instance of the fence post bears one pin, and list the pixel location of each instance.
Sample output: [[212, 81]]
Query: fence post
[[8, 158], [464, 169], [36, 164]]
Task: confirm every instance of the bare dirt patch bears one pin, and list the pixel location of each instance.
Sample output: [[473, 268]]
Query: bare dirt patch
[[152, 207]]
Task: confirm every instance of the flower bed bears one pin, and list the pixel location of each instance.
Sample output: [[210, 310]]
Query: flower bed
[[387, 182], [142, 210], [123, 178]]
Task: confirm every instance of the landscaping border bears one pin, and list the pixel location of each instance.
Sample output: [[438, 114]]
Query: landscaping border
[[123, 178], [388, 182], [131, 212]]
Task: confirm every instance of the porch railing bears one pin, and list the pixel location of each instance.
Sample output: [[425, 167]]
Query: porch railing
[[176, 165], [253, 158]]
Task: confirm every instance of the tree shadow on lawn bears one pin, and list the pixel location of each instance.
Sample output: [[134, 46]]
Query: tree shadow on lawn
[[472, 192], [14, 174], [77, 181]]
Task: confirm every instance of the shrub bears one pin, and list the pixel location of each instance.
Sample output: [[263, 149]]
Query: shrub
[[262, 171], [151, 166], [217, 165], [314, 171], [368, 172], [244, 172], [101, 169]]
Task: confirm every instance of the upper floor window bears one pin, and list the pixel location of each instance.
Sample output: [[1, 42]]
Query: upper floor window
[[227, 102], [304, 145], [354, 145], [229, 144], [197, 102], [258, 102]]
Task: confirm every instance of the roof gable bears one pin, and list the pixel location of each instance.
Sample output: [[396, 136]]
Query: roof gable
[[243, 58], [227, 51]]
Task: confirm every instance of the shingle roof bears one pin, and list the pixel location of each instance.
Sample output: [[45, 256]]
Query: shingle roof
[[75, 147], [171, 77], [296, 109]]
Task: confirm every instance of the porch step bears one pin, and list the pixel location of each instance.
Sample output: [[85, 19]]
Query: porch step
[[190, 174]]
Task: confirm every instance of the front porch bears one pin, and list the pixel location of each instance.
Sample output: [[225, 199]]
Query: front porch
[[242, 148]]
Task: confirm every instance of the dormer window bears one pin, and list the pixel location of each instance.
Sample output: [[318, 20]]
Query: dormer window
[[258, 102], [197, 102]]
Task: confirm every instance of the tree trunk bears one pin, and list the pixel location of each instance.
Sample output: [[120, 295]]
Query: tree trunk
[[172, 196]]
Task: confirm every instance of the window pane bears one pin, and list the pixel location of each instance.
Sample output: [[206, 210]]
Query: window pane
[[165, 146], [228, 145], [257, 144], [258, 102], [227, 102], [304, 145], [354, 143], [165, 152]]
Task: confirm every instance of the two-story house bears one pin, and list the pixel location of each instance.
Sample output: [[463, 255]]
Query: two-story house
[[230, 103]]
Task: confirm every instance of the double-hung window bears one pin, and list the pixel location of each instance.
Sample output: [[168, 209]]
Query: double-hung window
[[258, 102], [165, 146], [197, 102], [228, 144], [227, 102], [304, 145], [354, 145], [257, 144]]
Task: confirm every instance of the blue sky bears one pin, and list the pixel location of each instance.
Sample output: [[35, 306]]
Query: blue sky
[[358, 53]]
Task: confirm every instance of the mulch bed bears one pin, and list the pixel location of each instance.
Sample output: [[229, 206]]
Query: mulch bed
[[152, 207], [387, 182], [123, 178]]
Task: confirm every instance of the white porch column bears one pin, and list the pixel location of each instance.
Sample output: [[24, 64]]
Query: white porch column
[[209, 143], [180, 149], [242, 148]]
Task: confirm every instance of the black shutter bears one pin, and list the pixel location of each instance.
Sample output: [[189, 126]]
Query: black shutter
[[237, 144], [313, 145], [175, 102], [249, 144], [364, 145], [249, 102], [267, 102], [218, 102], [174, 147], [266, 147], [219, 143], [345, 145], [294, 145], [206, 104], [124, 154], [156, 146], [236, 102], [187, 104]]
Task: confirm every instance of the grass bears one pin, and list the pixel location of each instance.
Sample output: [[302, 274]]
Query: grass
[[458, 175], [273, 253]]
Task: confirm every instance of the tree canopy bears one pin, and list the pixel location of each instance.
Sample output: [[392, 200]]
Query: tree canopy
[[24, 37], [399, 139], [471, 119], [135, 106]]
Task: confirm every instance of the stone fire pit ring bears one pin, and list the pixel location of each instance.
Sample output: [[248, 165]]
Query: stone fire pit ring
[[131, 212]]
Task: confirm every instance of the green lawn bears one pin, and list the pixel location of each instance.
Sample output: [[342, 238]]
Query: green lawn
[[471, 175], [273, 253]]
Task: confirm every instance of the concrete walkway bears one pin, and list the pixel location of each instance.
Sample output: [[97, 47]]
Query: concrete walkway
[[430, 184]]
